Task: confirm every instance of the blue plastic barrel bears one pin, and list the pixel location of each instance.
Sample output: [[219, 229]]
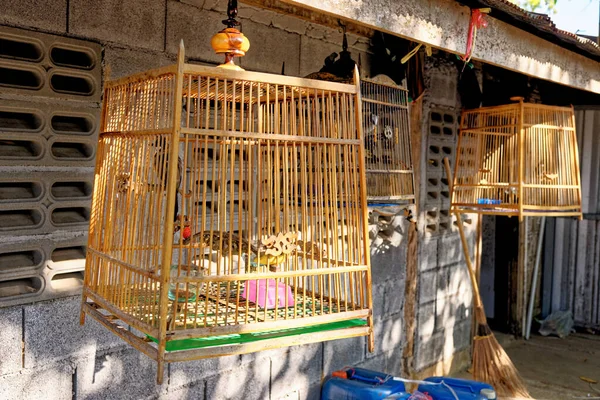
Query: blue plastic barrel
[[465, 389], [362, 384]]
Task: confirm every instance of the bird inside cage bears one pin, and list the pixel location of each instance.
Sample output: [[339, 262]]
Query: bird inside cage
[[161, 168]]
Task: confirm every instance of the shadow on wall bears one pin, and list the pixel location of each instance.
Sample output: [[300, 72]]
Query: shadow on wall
[[63, 360], [444, 310]]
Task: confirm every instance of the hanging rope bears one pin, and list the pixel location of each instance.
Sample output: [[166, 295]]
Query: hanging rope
[[477, 21]]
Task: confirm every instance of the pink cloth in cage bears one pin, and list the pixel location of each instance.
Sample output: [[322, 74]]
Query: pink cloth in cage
[[283, 291]]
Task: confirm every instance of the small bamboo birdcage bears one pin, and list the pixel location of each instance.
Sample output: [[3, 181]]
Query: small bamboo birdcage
[[229, 213], [517, 160], [387, 141]]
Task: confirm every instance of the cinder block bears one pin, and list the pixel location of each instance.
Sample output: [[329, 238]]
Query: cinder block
[[457, 278], [388, 335], [342, 353], [429, 350], [313, 392], [295, 372], [260, 356], [313, 53], [201, 3], [289, 23], [21, 258], [185, 373], [213, 5], [442, 125], [124, 374], [295, 395], [426, 319], [428, 286], [49, 15], [42, 133], [270, 48], [389, 362], [137, 23], [51, 66], [395, 361], [11, 321], [248, 382], [428, 253], [196, 27], [387, 261], [444, 305], [126, 61], [378, 292], [26, 218], [394, 297], [376, 363], [442, 86], [42, 266], [461, 334], [52, 383], [195, 391], [450, 250], [53, 333]]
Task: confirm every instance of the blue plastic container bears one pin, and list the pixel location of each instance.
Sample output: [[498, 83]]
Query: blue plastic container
[[489, 201], [465, 389], [362, 384]]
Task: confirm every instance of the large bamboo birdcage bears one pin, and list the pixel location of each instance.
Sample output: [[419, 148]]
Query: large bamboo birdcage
[[387, 141], [229, 213], [517, 160]]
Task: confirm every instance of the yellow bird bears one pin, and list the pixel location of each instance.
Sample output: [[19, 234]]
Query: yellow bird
[[267, 259]]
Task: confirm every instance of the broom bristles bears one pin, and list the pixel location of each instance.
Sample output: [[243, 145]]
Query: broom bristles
[[492, 365]]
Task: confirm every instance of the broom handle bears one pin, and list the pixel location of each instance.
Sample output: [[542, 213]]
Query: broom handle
[[463, 239]]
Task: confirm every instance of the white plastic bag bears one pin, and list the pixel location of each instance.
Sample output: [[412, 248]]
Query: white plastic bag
[[559, 323]]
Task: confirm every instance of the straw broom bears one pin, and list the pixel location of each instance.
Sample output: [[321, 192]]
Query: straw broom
[[490, 364]]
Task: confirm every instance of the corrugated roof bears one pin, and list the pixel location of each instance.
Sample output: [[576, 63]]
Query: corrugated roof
[[542, 23]]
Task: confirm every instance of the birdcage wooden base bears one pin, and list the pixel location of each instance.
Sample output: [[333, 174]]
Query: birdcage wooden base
[[514, 212], [315, 326]]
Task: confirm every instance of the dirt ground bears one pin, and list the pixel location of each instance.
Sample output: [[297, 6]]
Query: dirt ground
[[552, 367]]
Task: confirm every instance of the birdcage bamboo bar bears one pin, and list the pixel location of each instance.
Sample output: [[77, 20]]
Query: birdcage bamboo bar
[[518, 160], [228, 204], [389, 169]]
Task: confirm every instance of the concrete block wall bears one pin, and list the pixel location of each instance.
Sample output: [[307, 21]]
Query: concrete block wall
[[444, 293], [50, 91], [45, 352]]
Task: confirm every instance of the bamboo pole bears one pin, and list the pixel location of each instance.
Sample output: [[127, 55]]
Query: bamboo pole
[[363, 201], [169, 217]]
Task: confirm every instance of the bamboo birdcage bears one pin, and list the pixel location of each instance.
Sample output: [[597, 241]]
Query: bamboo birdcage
[[517, 160], [229, 213], [387, 141]]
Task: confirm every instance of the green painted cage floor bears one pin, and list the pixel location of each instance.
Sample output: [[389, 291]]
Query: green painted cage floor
[[198, 343]]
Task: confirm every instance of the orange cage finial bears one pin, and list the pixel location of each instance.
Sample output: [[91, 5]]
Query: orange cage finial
[[230, 41]]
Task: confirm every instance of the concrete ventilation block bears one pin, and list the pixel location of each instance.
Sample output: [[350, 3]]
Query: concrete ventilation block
[[34, 270], [23, 288], [21, 260], [47, 149], [40, 202], [49, 65], [441, 143]]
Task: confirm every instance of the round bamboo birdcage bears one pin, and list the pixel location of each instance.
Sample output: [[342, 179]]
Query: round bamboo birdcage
[[388, 149], [517, 160], [229, 213]]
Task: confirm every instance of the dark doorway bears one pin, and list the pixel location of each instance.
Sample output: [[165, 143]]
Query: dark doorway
[[505, 270]]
